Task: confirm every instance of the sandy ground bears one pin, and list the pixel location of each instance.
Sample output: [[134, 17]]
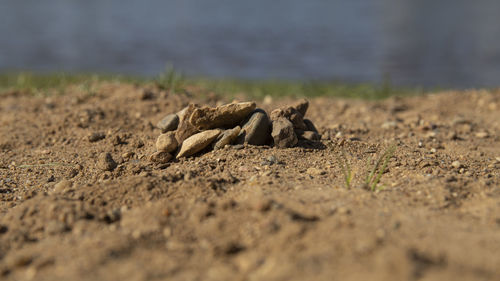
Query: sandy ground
[[249, 213]]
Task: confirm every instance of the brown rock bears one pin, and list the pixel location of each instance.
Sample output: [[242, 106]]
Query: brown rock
[[96, 136], [160, 157], [197, 142], [185, 128], [301, 106], [223, 116], [256, 130], [105, 162], [127, 155], [283, 133], [456, 164], [186, 112], [482, 134], [166, 142], [168, 123], [228, 137], [292, 115]]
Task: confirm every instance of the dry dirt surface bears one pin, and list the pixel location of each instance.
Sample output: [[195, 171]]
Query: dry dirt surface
[[249, 212]]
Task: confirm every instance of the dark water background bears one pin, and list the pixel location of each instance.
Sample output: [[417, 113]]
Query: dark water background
[[448, 43]]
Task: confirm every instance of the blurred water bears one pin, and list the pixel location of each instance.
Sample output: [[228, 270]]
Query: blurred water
[[426, 42]]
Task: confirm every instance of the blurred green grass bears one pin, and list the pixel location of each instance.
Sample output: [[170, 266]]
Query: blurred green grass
[[282, 88], [55, 83]]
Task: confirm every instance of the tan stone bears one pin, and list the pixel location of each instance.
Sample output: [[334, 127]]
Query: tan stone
[[301, 106], [185, 128], [166, 142], [223, 116], [105, 162], [228, 137], [283, 134], [197, 142], [186, 112], [291, 114], [160, 157]]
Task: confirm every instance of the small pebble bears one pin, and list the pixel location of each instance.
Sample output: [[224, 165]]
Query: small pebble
[[389, 125], [431, 135], [166, 142], [267, 100], [227, 137], [272, 159], [269, 161], [128, 155], [197, 142], [456, 164], [482, 135], [160, 157], [105, 162], [283, 133], [168, 123], [147, 95], [96, 136]]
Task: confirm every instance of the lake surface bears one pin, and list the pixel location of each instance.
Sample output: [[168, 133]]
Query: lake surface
[[448, 43]]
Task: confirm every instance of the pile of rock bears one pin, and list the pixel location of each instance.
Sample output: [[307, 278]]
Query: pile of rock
[[196, 128]]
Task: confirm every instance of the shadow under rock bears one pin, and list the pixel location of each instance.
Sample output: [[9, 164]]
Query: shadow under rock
[[311, 144]]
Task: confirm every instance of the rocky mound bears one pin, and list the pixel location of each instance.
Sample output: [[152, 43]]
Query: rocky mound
[[201, 128]]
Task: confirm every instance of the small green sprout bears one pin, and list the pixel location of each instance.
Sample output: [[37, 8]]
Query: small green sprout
[[170, 80], [374, 174], [373, 178], [346, 168]]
